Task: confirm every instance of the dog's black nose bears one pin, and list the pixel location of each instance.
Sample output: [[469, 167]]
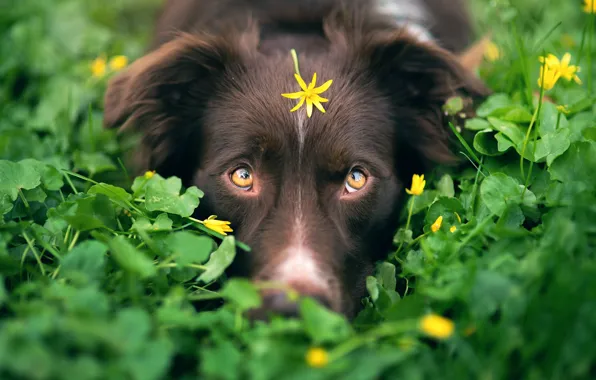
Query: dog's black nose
[[279, 303]]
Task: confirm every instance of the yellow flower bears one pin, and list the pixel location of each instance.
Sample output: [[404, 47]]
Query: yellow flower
[[492, 52], [563, 109], [118, 62], [310, 94], [418, 184], [220, 226], [437, 326], [562, 66], [548, 78], [98, 67], [317, 357], [149, 174], [590, 6], [437, 224], [453, 229]]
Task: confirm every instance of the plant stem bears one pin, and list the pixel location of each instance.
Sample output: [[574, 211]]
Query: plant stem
[[386, 329], [532, 122], [410, 210], [592, 16], [295, 59]]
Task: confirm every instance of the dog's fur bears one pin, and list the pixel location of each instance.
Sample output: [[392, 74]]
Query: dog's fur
[[208, 99]]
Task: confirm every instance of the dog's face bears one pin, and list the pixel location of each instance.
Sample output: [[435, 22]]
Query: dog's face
[[317, 198]]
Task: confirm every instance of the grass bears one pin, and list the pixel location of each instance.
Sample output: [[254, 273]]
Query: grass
[[103, 276]]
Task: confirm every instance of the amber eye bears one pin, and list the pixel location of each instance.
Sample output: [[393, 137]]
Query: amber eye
[[355, 181], [242, 177]]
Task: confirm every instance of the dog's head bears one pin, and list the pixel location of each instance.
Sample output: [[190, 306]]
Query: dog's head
[[316, 198]]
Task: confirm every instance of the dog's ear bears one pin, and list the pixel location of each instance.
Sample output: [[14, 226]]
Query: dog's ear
[[419, 78], [163, 95]]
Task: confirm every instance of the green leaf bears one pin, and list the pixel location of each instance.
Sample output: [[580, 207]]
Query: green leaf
[[131, 259], [242, 294], [17, 176], [221, 361], [386, 276], [93, 163], [189, 248], [552, 145], [403, 235], [35, 195], [51, 178], [513, 132], [476, 124], [323, 325], [372, 286], [499, 191], [164, 195], [162, 223], [489, 291], [118, 195], [576, 164], [86, 212], [485, 143], [515, 114], [86, 259], [220, 260], [493, 105], [445, 186]]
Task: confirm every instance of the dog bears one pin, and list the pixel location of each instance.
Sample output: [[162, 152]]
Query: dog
[[317, 195]]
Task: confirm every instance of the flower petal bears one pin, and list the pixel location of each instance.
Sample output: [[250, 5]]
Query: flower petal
[[566, 60], [319, 106], [293, 95], [317, 98], [308, 107], [322, 88], [300, 82], [297, 107], [314, 81]]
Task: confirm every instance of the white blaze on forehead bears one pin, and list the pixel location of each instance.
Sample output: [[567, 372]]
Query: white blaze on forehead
[[299, 266]]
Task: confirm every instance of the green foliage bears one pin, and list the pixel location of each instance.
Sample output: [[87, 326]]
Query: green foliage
[[107, 277]]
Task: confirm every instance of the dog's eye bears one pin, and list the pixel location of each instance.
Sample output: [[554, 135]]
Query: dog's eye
[[242, 177], [355, 181]]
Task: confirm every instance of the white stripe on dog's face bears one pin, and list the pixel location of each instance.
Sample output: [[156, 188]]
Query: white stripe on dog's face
[[300, 267]]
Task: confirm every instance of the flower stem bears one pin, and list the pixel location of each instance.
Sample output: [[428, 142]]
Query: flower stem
[[295, 59], [410, 210], [386, 329], [592, 16], [532, 122]]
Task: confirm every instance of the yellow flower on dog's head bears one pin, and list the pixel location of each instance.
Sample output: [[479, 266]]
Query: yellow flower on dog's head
[[309, 94], [418, 184], [590, 6]]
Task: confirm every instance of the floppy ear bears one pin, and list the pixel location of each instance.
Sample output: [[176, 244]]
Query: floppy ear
[[419, 78], [163, 95]]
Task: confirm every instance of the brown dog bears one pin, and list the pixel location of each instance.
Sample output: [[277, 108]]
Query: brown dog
[[317, 198]]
